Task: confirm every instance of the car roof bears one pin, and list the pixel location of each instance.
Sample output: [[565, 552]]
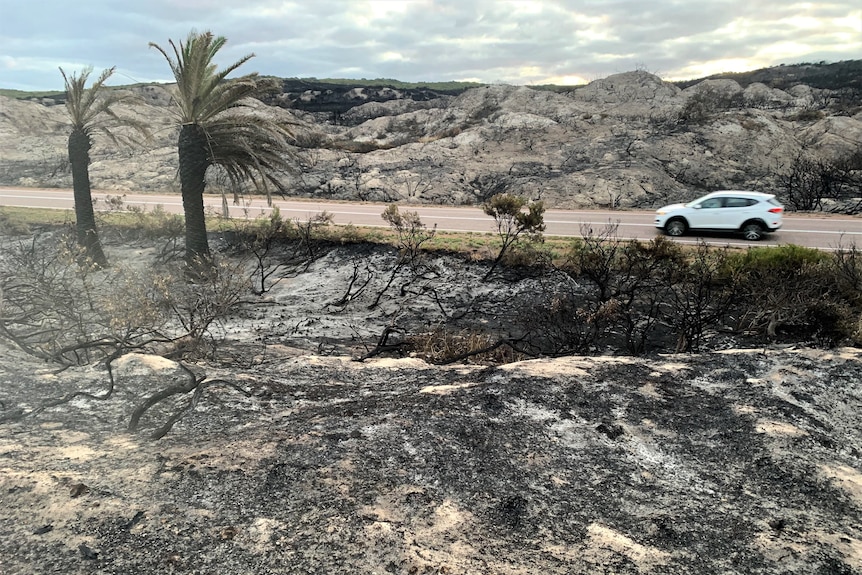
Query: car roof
[[722, 193]]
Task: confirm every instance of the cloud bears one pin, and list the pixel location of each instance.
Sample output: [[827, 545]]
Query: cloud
[[513, 41]]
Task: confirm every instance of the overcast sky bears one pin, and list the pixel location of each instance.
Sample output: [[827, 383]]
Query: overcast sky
[[490, 41]]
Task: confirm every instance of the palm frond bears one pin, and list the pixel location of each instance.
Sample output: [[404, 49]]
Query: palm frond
[[202, 90], [251, 147], [92, 109], [247, 145]]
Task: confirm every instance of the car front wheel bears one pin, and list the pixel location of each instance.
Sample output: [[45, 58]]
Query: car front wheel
[[675, 227], [752, 232]]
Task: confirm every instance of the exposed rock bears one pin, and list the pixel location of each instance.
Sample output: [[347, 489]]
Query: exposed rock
[[364, 112], [154, 94], [616, 142], [831, 135], [761, 95], [629, 87], [724, 88]]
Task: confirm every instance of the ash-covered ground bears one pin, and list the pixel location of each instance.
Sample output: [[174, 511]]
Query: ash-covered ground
[[297, 459]]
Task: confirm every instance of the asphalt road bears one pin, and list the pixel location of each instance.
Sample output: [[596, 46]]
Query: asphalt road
[[821, 231]]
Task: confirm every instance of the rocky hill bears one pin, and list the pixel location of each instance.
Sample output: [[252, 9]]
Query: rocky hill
[[628, 140]]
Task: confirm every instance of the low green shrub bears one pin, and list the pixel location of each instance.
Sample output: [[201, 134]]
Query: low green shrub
[[12, 226], [527, 255], [160, 224], [784, 259]]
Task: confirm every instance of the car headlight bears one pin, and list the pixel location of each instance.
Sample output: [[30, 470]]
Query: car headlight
[[660, 213]]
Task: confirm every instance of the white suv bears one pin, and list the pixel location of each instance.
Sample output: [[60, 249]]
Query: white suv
[[752, 213]]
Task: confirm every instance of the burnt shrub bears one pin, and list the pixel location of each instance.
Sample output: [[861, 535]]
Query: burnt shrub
[[847, 269], [699, 297], [789, 288], [642, 297], [810, 181], [627, 285], [445, 345]]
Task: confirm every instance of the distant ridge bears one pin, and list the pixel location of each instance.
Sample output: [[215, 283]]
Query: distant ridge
[[828, 76], [385, 83], [846, 74]]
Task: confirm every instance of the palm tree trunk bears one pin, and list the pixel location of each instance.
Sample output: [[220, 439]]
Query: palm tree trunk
[[85, 219], [194, 161]]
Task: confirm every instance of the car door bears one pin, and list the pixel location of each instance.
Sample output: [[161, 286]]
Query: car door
[[735, 211], [707, 214]]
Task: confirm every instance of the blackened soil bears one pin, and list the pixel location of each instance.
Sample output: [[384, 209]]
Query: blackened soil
[[734, 462]]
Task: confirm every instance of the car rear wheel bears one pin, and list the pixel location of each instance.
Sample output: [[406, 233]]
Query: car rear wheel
[[752, 232], [675, 227]]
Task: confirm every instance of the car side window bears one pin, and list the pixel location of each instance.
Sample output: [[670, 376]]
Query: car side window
[[711, 203], [738, 202]]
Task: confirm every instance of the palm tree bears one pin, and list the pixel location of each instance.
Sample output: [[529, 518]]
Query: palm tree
[[91, 111], [218, 128]]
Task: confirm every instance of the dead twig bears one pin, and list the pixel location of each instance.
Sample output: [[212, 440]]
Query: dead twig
[[356, 285], [169, 424], [196, 384], [383, 344]]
